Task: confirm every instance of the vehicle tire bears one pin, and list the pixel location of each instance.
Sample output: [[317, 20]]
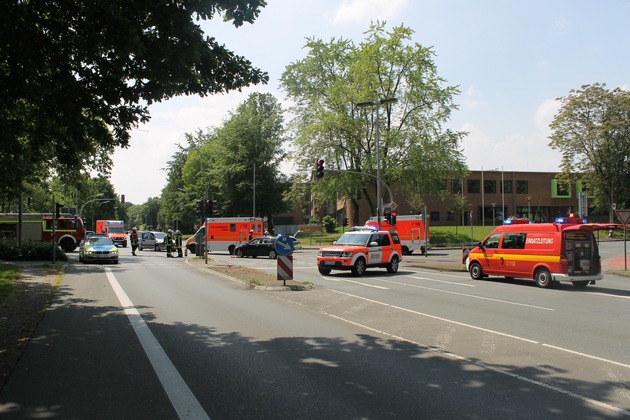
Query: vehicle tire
[[273, 254], [139, 247], [157, 248], [475, 271], [324, 271], [359, 267], [68, 245], [231, 249], [405, 250], [191, 249], [239, 253], [392, 267], [580, 284], [543, 278]]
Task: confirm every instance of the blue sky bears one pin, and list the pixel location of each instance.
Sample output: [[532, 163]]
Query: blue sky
[[510, 59]]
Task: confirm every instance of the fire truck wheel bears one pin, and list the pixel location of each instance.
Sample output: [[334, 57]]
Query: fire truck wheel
[[392, 267], [359, 267], [475, 271], [68, 245], [324, 271], [273, 255], [405, 250], [543, 278]]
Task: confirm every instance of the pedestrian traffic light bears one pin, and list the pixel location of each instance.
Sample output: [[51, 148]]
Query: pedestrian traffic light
[[393, 217], [388, 216], [344, 221], [320, 168], [58, 208]]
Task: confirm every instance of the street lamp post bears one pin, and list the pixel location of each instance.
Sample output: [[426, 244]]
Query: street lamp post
[[377, 105], [91, 199], [529, 215]]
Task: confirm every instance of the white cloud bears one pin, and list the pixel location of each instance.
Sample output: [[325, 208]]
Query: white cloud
[[472, 98], [360, 11], [545, 114]]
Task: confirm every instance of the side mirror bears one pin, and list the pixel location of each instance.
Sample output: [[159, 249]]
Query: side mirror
[[373, 243]]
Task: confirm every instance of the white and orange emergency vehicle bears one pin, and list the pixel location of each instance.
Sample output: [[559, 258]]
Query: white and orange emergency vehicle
[[226, 233], [114, 230], [565, 250], [411, 231], [69, 230], [358, 250]]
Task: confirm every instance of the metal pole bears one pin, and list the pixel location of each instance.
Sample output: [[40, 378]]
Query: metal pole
[[378, 167], [254, 188]]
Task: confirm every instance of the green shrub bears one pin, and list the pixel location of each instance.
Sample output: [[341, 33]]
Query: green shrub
[[330, 224], [30, 251]]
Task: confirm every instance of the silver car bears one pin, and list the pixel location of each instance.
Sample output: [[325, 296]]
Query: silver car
[[152, 240]]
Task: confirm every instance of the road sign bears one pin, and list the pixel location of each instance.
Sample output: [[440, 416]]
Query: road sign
[[285, 268], [284, 245], [624, 216]]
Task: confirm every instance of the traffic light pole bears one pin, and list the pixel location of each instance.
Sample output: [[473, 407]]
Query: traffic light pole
[[378, 198]]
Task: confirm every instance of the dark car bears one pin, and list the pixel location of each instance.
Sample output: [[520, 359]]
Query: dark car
[[98, 248], [257, 247]]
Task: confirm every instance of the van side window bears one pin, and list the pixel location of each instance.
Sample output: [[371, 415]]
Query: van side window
[[514, 241], [492, 241], [384, 240]]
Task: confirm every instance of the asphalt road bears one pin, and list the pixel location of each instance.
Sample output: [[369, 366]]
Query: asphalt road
[[154, 337]]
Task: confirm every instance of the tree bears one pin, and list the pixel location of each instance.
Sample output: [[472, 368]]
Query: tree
[[592, 130], [415, 149], [76, 75], [248, 146]]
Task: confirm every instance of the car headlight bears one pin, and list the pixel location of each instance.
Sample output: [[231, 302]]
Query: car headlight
[[346, 254], [320, 253]]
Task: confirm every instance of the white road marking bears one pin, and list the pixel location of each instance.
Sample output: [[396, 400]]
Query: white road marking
[[467, 295], [485, 365], [182, 398], [340, 280], [456, 283]]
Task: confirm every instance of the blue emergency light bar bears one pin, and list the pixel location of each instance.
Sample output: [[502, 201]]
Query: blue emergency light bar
[[517, 222], [571, 220]]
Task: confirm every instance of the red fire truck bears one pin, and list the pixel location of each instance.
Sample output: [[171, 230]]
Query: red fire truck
[[411, 231], [69, 230]]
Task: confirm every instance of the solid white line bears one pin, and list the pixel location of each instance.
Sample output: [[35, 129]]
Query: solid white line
[[492, 368], [467, 295], [601, 359], [182, 398], [438, 318]]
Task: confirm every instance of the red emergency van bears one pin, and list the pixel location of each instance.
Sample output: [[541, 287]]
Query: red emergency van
[[565, 250], [226, 233], [411, 230]]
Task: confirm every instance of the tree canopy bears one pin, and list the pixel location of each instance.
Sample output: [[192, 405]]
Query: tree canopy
[[77, 75], [592, 131], [415, 147]]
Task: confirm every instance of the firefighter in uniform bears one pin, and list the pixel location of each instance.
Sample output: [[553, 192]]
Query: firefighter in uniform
[[169, 243], [178, 243], [134, 240]]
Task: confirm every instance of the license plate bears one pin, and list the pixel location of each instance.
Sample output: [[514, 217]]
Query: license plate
[[329, 262]]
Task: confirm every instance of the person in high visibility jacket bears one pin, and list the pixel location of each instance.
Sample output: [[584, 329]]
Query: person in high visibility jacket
[[134, 240], [178, 243], [169, 243]]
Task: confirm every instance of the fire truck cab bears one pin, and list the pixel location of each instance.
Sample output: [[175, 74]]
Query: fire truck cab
[[565, 250]]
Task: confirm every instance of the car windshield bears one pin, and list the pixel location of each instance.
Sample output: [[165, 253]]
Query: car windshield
[[354, 239], [159, 235], [116, 229], [100, 241]]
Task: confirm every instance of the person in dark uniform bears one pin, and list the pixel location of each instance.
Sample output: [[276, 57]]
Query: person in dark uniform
[[178, 243], [169, 243], [134, 240]]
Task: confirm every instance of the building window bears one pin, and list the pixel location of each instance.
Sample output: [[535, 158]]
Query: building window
[[522, 187], [435, 216], [507, 187], [456, 186], [560, 189], [490, 186], [450, 216], [474, 186]]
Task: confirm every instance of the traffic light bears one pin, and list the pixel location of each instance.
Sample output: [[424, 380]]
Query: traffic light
[[320, 168], [388, 216], [393, 217], [344, 221], [210, 207], [58, 208], [122, 198]]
